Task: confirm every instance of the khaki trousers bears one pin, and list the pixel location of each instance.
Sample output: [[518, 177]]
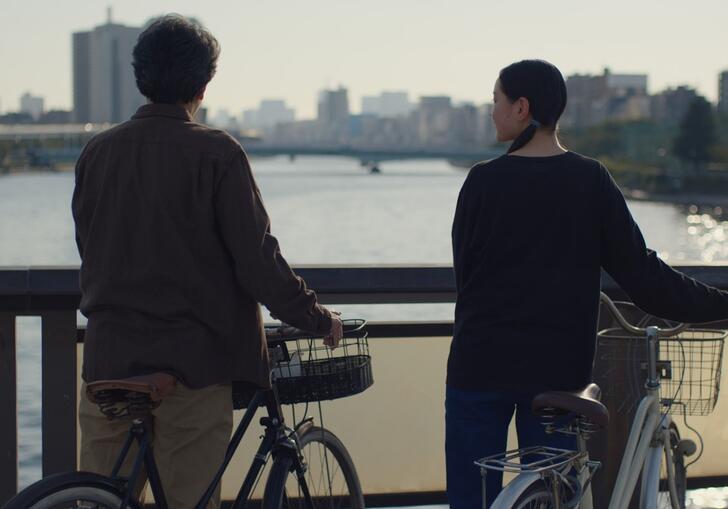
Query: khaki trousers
[[191, 432]]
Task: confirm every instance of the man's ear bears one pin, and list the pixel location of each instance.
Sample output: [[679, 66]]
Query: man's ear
[[201, 94]]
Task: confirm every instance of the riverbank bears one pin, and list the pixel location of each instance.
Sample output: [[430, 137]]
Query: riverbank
[[18, 170]]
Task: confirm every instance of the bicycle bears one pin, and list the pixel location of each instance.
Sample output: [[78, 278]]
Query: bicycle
[[310, 465], [557, 478]]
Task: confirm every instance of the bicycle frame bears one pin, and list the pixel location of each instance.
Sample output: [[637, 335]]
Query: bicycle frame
[[278, 441], [648, 438], [641, 445], [275, 440]]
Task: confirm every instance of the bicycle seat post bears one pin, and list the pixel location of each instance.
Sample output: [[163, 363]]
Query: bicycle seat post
[[653, 381]]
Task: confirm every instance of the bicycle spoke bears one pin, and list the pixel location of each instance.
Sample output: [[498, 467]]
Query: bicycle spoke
[[324, 477]]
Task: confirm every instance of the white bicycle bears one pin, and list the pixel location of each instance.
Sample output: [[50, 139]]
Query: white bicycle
[[682, 363]]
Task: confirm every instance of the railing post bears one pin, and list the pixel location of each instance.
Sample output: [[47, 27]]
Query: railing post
[[8, 409], [59, 391]]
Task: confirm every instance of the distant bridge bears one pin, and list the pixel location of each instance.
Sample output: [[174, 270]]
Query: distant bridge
[[373, 156], [50, 145]]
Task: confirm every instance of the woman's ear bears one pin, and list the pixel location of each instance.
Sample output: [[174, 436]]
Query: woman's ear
[[524, 109]]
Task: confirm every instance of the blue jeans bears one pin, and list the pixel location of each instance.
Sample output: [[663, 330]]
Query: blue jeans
[[476, 425]]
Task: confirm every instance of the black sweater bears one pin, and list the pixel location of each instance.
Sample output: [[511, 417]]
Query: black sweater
[[529, 237]]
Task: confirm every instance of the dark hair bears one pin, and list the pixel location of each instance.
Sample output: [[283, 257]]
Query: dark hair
[[174, 58], [543, 85]]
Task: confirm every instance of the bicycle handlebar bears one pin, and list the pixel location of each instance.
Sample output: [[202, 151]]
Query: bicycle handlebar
[[634, 329], [353, 328]]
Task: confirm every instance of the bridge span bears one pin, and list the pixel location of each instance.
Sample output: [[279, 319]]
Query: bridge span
[[47, 146]]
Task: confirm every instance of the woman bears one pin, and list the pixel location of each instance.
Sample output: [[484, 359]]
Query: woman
[[531, 232]]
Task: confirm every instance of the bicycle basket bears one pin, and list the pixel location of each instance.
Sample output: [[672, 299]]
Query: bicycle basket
[[312, 371], [689, 365]]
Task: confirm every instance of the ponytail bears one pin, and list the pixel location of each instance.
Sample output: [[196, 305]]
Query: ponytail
[[526, 135]]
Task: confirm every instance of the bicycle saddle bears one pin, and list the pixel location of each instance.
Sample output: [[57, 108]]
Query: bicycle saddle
[[156, 385], [582, 402]]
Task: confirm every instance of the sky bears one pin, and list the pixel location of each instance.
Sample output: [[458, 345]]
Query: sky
[[291, 49]]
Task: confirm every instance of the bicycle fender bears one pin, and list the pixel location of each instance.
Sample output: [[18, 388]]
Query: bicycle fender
[[514, 489], [57, 482], [304, 427]]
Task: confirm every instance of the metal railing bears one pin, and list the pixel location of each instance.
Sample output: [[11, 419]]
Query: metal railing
[[53, 295]]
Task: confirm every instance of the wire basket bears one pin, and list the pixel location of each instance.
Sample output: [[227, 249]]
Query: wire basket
[[311, 371], [689, 365]]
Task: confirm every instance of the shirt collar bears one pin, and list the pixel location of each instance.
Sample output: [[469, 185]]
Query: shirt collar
[[162, 110]]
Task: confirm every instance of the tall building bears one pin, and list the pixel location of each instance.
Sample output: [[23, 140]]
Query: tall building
[[464, 125], [625, 84], [224, 120], [370, 105], [434, 117], [104, 88], [585, 103], [81, 43], [32, 105], [269, 113], [723, 92], [387, 104], [596, 99], [333, 106]]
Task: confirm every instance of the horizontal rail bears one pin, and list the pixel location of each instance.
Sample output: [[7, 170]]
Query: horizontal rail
[[24, 290], [379, 330]]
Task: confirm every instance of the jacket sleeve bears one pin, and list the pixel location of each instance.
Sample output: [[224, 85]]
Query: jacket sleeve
[[77, 200], [260, 268], [653, 286]]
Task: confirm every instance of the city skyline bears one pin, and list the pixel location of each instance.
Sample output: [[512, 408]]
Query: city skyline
[[294, 51]]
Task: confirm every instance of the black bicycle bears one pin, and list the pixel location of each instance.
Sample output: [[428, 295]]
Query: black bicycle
[[310, 468]]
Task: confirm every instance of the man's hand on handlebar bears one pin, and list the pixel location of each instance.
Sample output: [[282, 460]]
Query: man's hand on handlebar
[[337, 330]]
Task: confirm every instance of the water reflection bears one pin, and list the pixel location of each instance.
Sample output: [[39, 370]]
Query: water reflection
[[708, 230]]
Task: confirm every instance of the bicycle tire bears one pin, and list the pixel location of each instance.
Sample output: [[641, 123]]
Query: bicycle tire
[[72, 489], [538, 496], [678, 463], [327, 459]]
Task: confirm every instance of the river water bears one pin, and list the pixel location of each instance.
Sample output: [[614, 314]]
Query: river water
[[323, 211]]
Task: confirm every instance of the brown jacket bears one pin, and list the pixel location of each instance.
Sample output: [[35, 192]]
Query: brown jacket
[[177, 253]]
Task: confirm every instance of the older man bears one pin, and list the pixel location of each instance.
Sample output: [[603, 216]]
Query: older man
[[176, 254]]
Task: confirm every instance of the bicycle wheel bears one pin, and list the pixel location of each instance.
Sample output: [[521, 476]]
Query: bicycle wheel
[[73, 490], [678, 464], [538, 496], [330, 475]]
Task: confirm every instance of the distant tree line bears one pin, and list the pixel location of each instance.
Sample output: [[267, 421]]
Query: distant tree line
[[692, 155], [697, 143]]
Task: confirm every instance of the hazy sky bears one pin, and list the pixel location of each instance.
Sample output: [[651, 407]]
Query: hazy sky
[[292, 48]]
